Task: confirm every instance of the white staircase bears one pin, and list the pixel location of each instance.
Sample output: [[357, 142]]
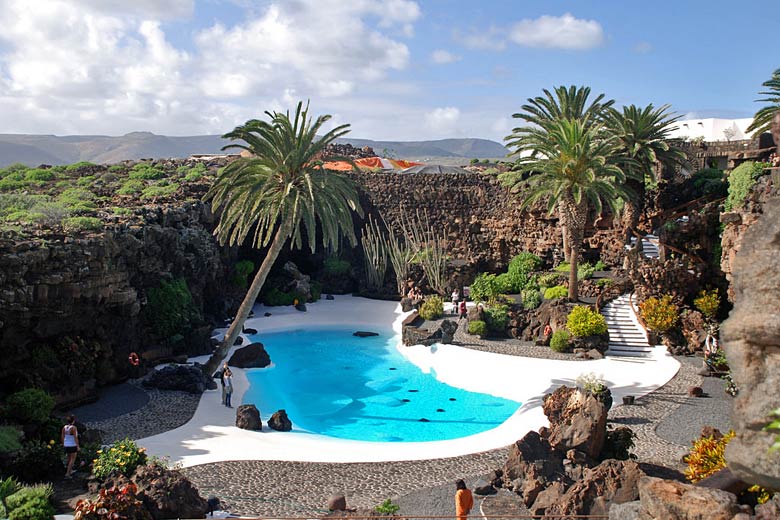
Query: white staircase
[[626, 337], [649, 246]]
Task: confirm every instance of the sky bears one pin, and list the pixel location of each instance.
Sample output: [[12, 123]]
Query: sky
[[393, 69]]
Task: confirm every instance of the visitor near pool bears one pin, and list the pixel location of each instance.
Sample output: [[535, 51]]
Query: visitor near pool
[[228, 378], [464, 500], [70, 442]]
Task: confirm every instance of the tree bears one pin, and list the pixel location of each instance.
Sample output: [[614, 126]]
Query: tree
[[642, 135], [541, 112], [762, 120], [278, 193], [571, 165]]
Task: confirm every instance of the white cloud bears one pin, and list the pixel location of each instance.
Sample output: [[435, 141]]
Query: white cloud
[[557, 32], [441, 56], [443, 121], [643, 47], [492, 39]]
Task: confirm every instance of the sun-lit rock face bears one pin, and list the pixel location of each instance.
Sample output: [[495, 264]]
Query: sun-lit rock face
[[751, 338]]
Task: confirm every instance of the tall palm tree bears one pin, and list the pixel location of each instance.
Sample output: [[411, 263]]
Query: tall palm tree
[[643, 138], [762, 120], [278, 193], [572, 168], [541, 112]]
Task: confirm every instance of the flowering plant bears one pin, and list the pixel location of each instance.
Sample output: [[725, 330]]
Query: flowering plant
[[122, 456], [113, 503], [591, 382], [660, 314]]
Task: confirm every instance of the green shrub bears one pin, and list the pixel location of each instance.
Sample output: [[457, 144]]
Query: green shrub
[[10, 439], [477, 328], [387, 508], [158, 190], [29, 406], [8, 487], [114, 503], [274, 297], [618, 444], [145, 171], [170, 308], [549, 280], [316, 290], [485, 287], [334, 266], [10, 184], [559, 291], [497, 317], [707, 302], [14, 168], [432, 308], [504, 284], [116, 168], [241, 272], [584, 269], [80, 164], [584, 321], [85, 181], [122, 456], [122, 211], [78, 199], [77, 224], [524, 263], [193, 173], [532, 298], [741, 181], [710, 181], [605, 282], [38, 462], [31, 503], [131, 187], [38, 174], [559, 341], [659, 314]]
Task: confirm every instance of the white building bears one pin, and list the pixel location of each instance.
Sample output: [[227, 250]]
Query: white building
[[712, 129]]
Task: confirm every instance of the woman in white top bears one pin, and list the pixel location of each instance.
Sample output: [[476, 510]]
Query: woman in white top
[[70, 441]]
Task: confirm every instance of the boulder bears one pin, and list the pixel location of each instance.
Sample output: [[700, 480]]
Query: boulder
[[337, 502], [185, 378], [251, 356], [249, 331], [300, 307], [627, 511], [443, 333], [406, 304], [769, 510], [749, 337], [674, 500], [548, 498], [364, 334], [577, 421], [280, 422], [300, 283], [483, 488], [531, 457], [248, 417], [168, 493]]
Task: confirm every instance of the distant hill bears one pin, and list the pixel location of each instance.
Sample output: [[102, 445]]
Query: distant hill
[[34, 150]]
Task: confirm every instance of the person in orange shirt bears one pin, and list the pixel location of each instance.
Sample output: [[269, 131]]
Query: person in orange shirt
[[464, 500]]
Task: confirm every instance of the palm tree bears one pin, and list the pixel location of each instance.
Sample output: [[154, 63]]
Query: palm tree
[[762, 121], [541, 112], [643, 138], [572, 167], [278, 193]]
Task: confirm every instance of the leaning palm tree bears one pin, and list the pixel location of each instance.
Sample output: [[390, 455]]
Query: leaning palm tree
[[541, 112], [762, 120], [572, 167], [643, 136], [280, 192]]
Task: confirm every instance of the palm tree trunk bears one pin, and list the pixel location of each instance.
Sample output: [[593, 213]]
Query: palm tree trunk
[[249, 300], [573, 265], [566, 245]]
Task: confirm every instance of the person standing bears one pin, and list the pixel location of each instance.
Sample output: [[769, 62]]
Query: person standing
[[464, 500], [222, 382], [455, 300], [70, 442], [228, 377], [464, 313]]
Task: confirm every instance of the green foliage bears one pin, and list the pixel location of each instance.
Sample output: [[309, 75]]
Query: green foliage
[[316, 290], [10, 439], [532, 298], [559, 291], [29, 406], [159, 190], [334, 266], [432, 308], [85, 181], [122, 456], [618, 444], [485, 287], [505, 285], [77, 224], [14, 168], [192, 173], [605, 282], [497, 317], [710, 181], [116, 168], [122, 211], [525, 262], [131, 187], [38, 461], [31, 503], [78, 199], [774, 427], [741, 180], [80, 164], [145, 171], [584, 321], [708, 302], [584, 269], [170, 307], [8, 486], [659, 314], [559, 341], [10, 184], [273, 297], [387, 508], [241, 272], [477, 328], [38, 174], [549, 280]]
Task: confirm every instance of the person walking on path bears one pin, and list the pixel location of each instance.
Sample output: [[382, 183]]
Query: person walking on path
[[455, 300], [464, 313], [70, 442], [464, 500], [222, 382], [228, 378]]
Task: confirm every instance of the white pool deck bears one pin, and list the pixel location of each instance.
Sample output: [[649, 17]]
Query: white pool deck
[[210, 436]]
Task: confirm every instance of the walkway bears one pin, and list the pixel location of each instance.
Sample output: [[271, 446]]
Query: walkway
[[627, 338]]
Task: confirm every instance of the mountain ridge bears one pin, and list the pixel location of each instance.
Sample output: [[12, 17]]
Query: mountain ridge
[[36, 149]]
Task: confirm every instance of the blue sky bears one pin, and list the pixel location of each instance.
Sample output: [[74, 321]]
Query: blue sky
[[394, 69]]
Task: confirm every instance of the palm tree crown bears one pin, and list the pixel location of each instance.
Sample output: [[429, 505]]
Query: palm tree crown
[[762, 120]]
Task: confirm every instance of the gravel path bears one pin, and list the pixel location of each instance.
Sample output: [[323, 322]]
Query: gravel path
[[113, 401]]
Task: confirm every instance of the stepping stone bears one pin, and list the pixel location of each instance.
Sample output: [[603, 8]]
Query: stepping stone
[[365, 334]]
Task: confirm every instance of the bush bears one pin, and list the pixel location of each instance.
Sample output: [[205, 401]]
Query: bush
[[708, 302], [741, 181], [710, 181], [559, 291], [316, 290], [78, 199], [549, 280], [31, 503], [170, 308], [275, 298], [618, 444], [505, 285], [532, 298], [131, 187], [584, 269], [8, 487], [159, 190], [432, 308], [122, 456], [524, 263], [584, 321], [604, 282], [38, 174], [10, 439], [387, 508], [559, 341], [29, 406], [497, 317], [333, 266], [80, 164], [114, 503], [85, 181], [76, 224], [38, 461], [241, 272], [477, 328], [116, 168], [485, 287], [145, 171], [659, 314]]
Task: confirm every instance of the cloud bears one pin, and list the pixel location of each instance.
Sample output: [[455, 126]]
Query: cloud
[[643, 47], [440, 56], [443, 121], [492, 39], [557, 32]]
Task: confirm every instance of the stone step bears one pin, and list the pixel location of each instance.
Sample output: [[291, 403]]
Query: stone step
[[630, 347]]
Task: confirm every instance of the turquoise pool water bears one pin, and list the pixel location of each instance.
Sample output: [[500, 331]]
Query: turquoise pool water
[[333, 383]]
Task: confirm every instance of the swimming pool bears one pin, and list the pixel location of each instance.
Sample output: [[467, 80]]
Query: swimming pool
[[333, 383]]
